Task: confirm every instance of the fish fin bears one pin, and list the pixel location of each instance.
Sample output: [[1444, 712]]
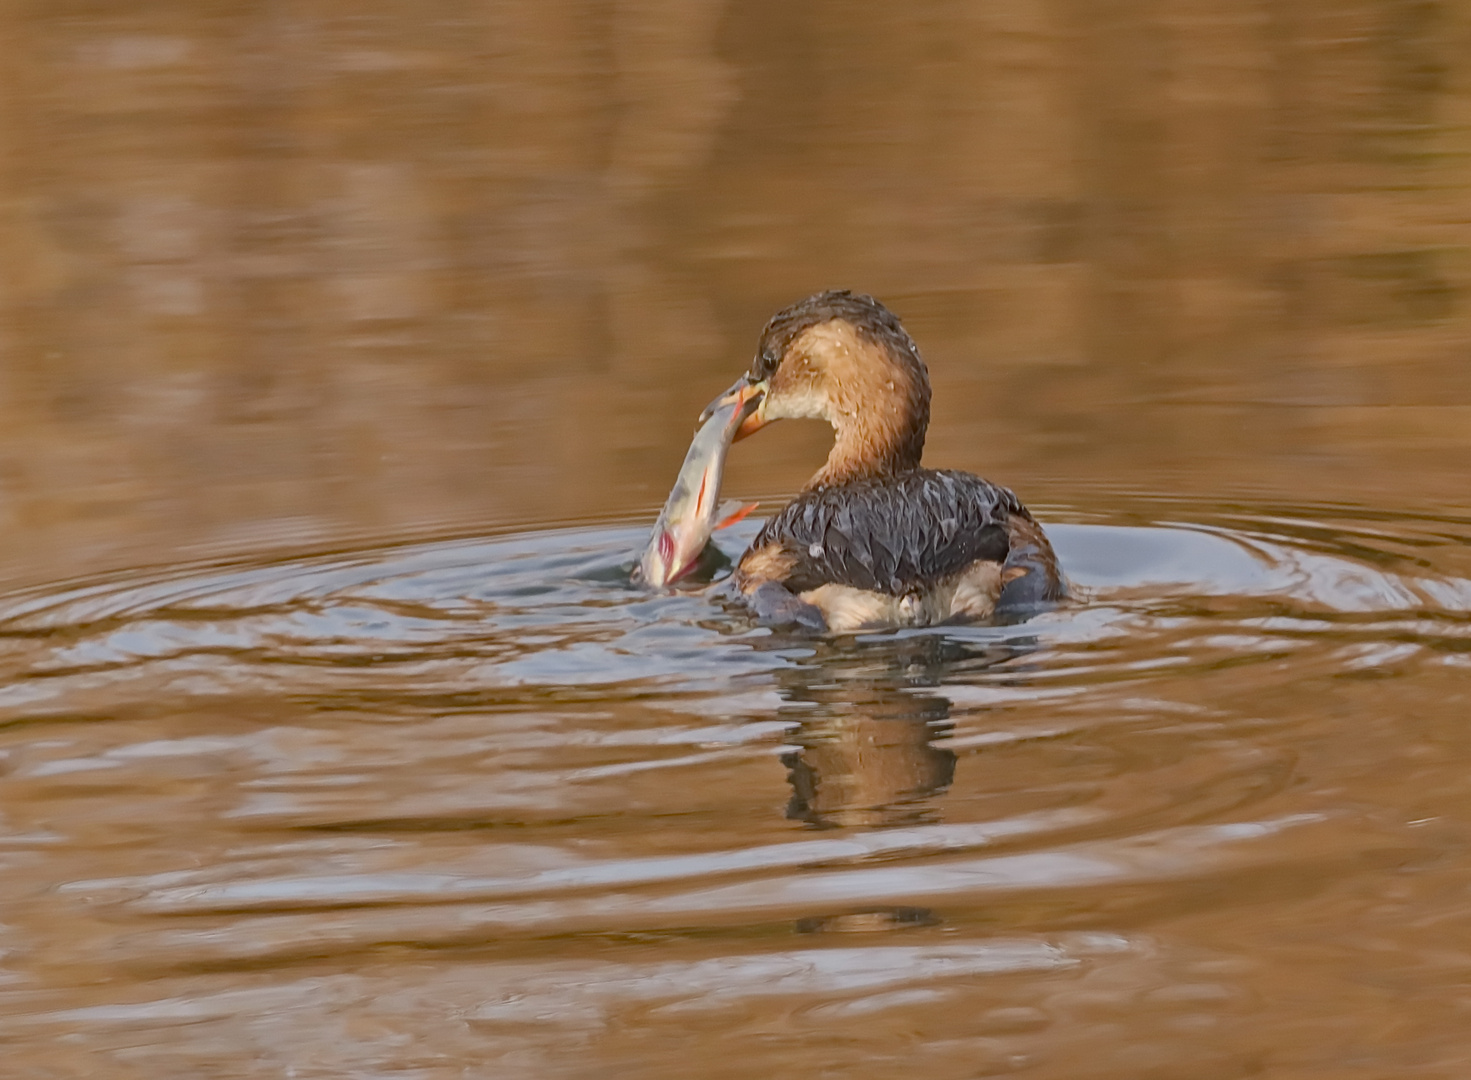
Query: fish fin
[[734, 512]]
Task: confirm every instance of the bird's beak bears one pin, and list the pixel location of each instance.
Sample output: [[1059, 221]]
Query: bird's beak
[[749, 395]]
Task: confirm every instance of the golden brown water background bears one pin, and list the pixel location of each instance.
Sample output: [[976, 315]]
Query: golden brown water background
[[346, 351]]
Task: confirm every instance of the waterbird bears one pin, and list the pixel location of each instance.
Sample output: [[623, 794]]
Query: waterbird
[[875, 539]]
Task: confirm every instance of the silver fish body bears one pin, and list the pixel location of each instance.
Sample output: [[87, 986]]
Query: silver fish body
[[693, 511]]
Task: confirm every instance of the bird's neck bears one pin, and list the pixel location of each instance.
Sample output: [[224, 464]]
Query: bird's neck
[[884, 441]]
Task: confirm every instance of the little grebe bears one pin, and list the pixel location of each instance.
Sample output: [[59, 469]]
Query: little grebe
[[874, 539]]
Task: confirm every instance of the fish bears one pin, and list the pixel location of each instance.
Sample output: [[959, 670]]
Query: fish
[[693, 510]]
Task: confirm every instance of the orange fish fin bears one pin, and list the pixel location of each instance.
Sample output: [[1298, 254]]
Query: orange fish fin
[[734, 512]]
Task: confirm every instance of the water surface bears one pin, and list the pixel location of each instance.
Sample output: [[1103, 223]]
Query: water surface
[[480, 804]]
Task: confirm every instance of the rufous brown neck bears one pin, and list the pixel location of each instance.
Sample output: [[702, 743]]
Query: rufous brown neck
[[861, 451], [879, 410]]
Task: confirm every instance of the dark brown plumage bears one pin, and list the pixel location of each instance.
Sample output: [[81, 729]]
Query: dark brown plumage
[[891, 534]]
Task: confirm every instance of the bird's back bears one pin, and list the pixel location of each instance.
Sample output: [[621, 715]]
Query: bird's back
[[891, 534]]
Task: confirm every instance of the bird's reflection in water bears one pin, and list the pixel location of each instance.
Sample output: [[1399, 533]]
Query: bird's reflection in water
[[871, 721], [868, 756]]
